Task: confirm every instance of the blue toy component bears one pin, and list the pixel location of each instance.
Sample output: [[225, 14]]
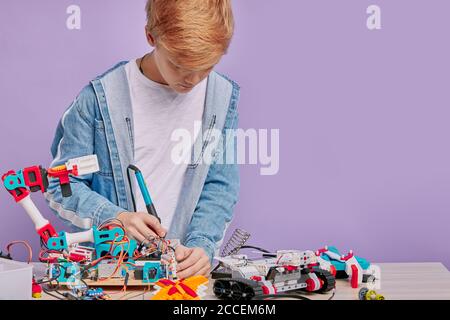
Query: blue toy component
[[69, 273], [102, 236], [340, 265], [13, 182], [127, 247], [152, 272], [98, 292], [58, 243], [101, 246]]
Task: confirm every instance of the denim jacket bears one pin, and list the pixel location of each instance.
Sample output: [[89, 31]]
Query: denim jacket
[[100, 121]]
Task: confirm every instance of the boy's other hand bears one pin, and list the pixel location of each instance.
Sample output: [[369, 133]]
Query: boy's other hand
[[191, 262], [141, 225]]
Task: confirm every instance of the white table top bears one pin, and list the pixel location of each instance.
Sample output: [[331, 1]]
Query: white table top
[[398, 281]]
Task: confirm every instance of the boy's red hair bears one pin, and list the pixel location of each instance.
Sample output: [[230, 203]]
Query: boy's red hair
[[196, 33]]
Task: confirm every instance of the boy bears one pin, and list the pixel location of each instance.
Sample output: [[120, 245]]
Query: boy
[[128, 115]]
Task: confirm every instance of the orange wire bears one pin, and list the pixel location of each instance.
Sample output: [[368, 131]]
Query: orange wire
[[119, 261]]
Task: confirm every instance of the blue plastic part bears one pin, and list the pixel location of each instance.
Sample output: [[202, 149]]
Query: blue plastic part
[[58, 243], [98, 292], [340, 265], [102, 236], [69, 273], [152, 272], [143, 186], [127, 247], [16, 181]]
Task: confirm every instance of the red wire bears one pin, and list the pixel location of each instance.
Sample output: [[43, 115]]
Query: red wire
[[26, 244]]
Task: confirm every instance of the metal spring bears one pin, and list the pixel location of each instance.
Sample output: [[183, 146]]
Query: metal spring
[[235, 243]]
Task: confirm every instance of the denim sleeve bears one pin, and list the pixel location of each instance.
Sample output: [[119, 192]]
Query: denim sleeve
[[75, 138], [215, 207]]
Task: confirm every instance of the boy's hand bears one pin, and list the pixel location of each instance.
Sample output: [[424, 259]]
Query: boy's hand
[[141, 225], [191, 262]]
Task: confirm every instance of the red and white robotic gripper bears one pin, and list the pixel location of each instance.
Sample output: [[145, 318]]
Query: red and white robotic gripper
[[353, 269]]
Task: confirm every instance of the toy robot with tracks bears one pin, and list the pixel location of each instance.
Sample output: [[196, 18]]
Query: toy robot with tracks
[[285, 272], [239, 278]]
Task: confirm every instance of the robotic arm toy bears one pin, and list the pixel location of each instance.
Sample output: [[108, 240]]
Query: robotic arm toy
[[111, 244], [22, 183]]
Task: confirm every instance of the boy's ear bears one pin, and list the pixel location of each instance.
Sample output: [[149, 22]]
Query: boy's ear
[[150, 38]]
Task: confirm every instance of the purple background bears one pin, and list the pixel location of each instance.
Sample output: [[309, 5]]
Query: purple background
[[363, 115]]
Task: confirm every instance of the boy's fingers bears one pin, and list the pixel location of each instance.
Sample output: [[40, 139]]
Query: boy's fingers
[[205, 271], [134, 233], [152, 222], [145, 231], [192, 270], [181, 253], [185, 273], [193, 258]]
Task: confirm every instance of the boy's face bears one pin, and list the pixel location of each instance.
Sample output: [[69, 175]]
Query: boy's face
[[179, 79]]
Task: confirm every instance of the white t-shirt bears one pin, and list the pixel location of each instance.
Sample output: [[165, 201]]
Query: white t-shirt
[[158, 111]]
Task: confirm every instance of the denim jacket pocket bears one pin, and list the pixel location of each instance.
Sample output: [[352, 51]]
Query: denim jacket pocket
[[195, 160], [99, 125], [130, 132], [101, 148]]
